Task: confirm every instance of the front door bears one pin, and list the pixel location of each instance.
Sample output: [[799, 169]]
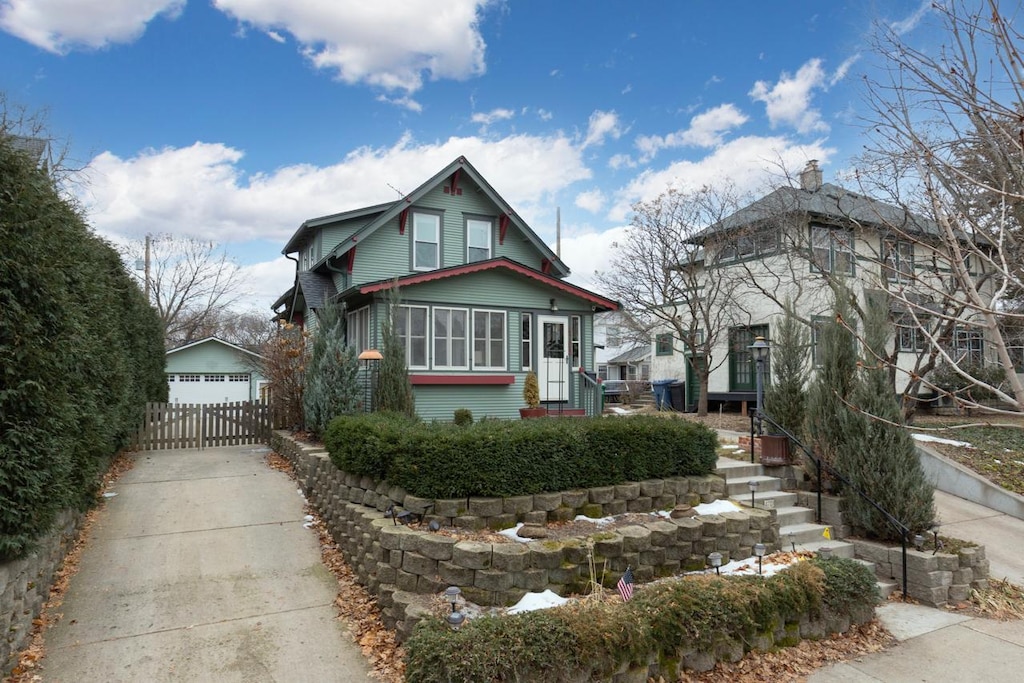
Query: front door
[[553, 364]]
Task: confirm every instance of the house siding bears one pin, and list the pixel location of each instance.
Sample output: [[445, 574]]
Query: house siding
[[440, 403], [212, 357]]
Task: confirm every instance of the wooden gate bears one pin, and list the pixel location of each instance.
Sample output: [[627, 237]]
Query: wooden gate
[[198, 425]]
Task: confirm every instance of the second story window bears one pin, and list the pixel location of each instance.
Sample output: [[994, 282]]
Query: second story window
[[832, 250], [663, 345], [898, 261], [426, 235], [478, 240]]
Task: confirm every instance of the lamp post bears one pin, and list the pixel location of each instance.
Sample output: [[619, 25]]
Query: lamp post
[[759, 349], [753, 484], [367, 356], [455, 618]]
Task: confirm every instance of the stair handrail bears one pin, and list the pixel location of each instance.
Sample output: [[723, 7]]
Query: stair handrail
[[588, 383], [818, 464]]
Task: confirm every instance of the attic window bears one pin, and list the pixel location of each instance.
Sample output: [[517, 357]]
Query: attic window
[[426, 249]]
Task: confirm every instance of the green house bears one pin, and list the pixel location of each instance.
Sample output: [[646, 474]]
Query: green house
[[483, 299]]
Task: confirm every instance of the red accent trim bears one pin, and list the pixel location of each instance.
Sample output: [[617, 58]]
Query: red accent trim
[[351, 259], [401, 221], [545, 266], [502, 228], [480, 266], [455, 179], [452, 380]]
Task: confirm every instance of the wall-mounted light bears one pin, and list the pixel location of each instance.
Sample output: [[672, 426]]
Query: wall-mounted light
[[554, 306]]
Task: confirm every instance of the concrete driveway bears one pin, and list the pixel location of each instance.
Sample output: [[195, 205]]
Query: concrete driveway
[[200, 570]]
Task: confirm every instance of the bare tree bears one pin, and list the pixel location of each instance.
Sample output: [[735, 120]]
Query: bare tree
[[948, 131], [29, 132], [192, 283], [659, 275]]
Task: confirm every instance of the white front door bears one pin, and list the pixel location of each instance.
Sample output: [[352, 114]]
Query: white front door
[[553, 364]]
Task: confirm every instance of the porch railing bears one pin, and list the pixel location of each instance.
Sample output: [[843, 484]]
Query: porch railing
[[589, 393], [820, 465]]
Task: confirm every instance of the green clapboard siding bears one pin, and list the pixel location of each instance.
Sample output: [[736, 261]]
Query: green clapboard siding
[[518, 248], [440, 402], [336, 233], [498, 288], [210, 356]]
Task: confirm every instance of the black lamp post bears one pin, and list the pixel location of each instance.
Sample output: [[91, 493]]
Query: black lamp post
[[753, 484], [759, 349]]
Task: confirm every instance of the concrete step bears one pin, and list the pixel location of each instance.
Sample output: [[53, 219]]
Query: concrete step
[[802, 533], [735, 486], [794, 515], [839, 548], [778, 499], [728, 469]]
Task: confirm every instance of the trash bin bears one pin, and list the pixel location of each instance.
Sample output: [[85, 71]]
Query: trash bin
[[661, 397], [677, 395]]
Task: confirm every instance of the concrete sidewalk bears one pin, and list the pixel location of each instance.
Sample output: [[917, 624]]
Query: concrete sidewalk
[[200, 570]]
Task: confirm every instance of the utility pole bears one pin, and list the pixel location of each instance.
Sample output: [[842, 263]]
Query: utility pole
[[147, 267]]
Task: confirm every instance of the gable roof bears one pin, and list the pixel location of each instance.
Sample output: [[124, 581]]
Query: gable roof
[[209, 340], [828, 202], [382, 213], [500, 263], [634, 354], [315, 288]]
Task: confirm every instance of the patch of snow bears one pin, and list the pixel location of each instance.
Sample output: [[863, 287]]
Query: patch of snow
[[109, 494], [733, 446], [997, 461], [535, 601], [512, 533], [748, 567], [600, 521], [717, 507], [307, 525], [936, 439], [620, 411]]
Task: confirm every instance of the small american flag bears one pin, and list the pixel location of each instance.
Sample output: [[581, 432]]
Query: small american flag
[[625, 585]]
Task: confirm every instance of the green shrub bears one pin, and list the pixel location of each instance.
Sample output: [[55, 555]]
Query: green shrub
[[518, 457], [596, 639], [463, 417]]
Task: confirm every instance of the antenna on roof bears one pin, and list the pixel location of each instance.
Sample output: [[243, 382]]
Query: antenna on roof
[[558, 232], [400, 193]]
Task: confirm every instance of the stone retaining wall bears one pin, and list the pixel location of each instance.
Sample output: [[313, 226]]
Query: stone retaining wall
[[25, 586], [932, 579], [402, 564]]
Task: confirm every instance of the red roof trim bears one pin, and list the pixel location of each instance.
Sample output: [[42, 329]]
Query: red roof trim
[[451, 380], [480, 266]]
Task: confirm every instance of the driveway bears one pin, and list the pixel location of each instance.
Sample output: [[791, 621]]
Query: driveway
[[200, 569]]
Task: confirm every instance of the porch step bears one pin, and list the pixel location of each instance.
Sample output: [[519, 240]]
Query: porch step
[[735, 486], [804, 533], [794, 514], [779, 499], [729, 469]]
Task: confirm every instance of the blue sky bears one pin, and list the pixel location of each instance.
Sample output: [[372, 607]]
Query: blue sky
[[235, 120]]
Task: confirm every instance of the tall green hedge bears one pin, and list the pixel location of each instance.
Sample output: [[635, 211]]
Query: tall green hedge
[[518, 457], [81, 352]]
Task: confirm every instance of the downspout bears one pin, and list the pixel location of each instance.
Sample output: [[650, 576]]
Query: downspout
[[292, 307]]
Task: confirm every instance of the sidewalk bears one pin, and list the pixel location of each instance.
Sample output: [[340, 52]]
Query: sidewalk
[[200, 570]]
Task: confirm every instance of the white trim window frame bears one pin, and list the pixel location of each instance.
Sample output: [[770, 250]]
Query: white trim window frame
[[526, 339], [426, 240], [575, 341], [479, 236], [832, 250], [490, 339], [357, 329], [412, 330], [450, 338], [897, 260]]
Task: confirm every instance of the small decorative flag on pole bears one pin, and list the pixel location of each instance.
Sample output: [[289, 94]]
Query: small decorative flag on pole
[[625, 585], [827, 533]]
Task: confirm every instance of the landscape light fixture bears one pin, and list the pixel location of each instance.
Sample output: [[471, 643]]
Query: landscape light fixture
[[825, 553], [434, 525], [938, 543], [753, 484], [792, 540], [918, 541], [715, 559], [455, 617], [759, 551]]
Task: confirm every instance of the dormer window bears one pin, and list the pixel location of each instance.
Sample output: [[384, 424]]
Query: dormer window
[[426, 236], [478, 240]]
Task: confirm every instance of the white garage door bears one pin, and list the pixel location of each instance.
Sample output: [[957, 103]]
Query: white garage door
[[215, 388]]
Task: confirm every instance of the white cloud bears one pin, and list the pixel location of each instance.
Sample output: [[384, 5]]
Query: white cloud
[[375, 42], [591, 200], [619, 161], [602, 124], [788, 102], [61, 25], [843, 69], [267, 280], [910, 23], [747, 162], [707, 129], [275, 36], [544, 115], [404, 101], [201, 190], [589, 253], [487, 118]]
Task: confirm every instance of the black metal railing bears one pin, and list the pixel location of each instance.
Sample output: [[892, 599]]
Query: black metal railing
[[819, 465]]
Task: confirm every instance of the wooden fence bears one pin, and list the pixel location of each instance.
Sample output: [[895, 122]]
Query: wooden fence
[[197, 425]]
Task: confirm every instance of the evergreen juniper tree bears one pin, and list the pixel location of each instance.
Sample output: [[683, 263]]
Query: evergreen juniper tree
[[785, 398], [394, 391], [332, 373], [879, 456]]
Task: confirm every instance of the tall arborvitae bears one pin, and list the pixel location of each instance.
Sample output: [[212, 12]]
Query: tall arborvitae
[[785, 399], [332, 373], [393, 390], [828, 415], [879, 456]]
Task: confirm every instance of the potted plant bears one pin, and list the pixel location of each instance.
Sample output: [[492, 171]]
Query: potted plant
[[531, 396]]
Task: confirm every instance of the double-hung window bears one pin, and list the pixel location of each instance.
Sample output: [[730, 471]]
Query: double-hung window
[[358, 329], [489, 340], [968, 346], [426, 236], [450, 338], [663, 345], [898, 261], [527, 341], [478, 240], [411, 328], [575, 340], [832, 250]]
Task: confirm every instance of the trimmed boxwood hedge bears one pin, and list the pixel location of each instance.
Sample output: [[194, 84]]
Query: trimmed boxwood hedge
[[518, 457], [697, 612]]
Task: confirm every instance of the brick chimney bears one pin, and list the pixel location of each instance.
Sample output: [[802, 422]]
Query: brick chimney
[[810, 177]]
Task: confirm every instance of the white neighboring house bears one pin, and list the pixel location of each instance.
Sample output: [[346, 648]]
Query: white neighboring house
[[614, 355], [213, 371]]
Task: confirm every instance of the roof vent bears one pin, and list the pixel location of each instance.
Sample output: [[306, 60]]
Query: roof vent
[[810, 177]]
